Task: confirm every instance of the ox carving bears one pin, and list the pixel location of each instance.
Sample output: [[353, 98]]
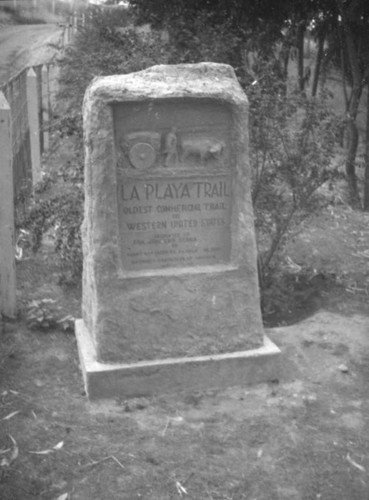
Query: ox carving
[[144, 150], [202, 150]]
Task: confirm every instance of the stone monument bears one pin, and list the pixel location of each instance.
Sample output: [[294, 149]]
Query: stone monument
[[170, 291]]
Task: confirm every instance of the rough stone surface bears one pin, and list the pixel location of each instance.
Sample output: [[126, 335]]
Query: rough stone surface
[[169, 311], [173, 375]]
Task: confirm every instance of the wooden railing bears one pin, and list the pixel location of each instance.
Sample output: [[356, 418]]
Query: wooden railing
[[26, 106]]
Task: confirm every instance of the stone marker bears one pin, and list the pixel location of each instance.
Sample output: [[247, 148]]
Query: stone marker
[[170, 291]]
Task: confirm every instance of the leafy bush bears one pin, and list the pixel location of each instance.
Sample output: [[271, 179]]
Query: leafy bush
[[292, 143], [45, 314], [57, 213]]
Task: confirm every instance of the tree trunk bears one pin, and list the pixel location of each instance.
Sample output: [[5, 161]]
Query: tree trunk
[[285, 58], [300, 54], [350, 164], [318, 62], [344, 72], [366, 178], [357, 78], [277, 238], [344, 85]]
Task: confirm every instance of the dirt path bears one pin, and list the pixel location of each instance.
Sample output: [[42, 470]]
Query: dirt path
[[23, 45]]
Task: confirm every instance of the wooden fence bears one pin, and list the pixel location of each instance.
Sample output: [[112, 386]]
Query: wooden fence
[[7, 264], [29, 94], [26, 106], [25, 109]]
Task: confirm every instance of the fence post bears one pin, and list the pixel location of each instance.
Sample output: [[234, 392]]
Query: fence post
[[45, 105], [34, 125], [7, 260]]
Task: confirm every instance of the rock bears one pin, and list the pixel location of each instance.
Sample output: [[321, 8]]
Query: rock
[[343, 368]]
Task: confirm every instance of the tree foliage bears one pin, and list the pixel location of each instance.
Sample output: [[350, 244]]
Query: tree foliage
[[254, 24], [263, 28]]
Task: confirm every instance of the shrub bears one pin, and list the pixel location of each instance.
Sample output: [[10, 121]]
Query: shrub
[[45, 314], [292, 143], [59, 216]]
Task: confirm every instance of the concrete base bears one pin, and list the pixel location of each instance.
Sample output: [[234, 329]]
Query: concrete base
[[149, 378]]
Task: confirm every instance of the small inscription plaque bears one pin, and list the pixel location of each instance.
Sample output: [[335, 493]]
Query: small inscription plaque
[[178, 222]]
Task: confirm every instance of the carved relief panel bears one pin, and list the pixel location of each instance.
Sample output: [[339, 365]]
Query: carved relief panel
[[173, 134], [174, 183]]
